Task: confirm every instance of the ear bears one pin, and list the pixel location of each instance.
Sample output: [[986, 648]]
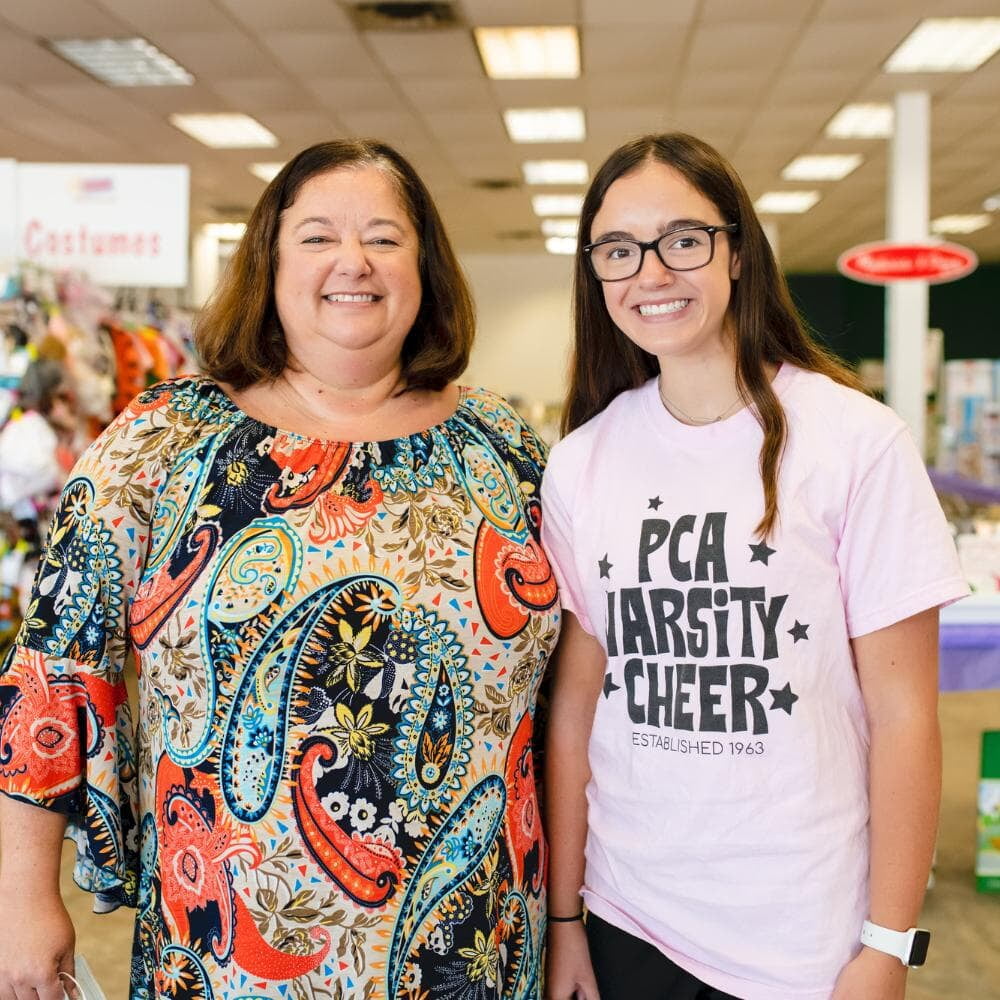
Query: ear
[[734, 265]]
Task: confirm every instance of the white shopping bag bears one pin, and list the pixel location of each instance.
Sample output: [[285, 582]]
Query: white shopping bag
[[87, 987]]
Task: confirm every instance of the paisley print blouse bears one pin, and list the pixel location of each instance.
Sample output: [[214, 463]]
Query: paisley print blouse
[[329, 789]]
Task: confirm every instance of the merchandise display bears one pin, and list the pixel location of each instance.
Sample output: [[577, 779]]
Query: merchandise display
[[70, 360]]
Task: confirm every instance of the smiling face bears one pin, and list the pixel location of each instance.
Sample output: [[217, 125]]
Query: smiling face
[[348, 274], [667, 313]]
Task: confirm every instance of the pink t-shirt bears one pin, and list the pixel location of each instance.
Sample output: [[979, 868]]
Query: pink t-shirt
[[728, 807]]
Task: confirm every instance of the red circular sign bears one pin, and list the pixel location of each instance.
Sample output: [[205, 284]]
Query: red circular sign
[[883, 263]]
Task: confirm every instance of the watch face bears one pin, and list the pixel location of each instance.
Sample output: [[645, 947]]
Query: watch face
[[918, 950]]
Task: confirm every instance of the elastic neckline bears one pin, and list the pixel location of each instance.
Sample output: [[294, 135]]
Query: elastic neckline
[[235, 411]]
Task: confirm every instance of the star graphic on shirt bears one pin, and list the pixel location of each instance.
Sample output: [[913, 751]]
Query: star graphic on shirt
[[783, 698], [798, 631], [761, 553], [604, 566], [610, 685], [654, 503]]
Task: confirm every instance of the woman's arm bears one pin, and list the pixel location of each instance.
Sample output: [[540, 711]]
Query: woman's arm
[[898, 672], [38, 938], [578, 671]]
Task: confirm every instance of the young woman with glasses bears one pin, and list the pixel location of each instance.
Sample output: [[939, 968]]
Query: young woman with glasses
[[744, 758]]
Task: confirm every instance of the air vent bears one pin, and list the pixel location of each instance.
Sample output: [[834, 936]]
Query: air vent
[[496, 183], [416, 16]]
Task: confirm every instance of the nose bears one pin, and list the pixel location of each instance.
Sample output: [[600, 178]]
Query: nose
[[352, 259], [653, 269]]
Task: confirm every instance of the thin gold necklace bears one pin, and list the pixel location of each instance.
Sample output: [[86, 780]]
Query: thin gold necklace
[[676, 411]]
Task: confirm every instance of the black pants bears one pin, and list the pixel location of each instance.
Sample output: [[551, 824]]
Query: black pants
[[628, 968]]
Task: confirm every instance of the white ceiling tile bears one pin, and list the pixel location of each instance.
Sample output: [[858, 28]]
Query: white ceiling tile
[[353, 94], [440, 95], [516, 12], [718, 87], [262, 15], [273, 93], [215, 55], [297, 127], [652, 50], [26, 61], [474, 126], [738, 46], [643, 12], [175, 15], [843, 45], [395, 127], [450, 53], [323, 53], [66, 19]]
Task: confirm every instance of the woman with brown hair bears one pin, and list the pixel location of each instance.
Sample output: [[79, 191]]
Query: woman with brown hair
[[743, 753], [324, 555]]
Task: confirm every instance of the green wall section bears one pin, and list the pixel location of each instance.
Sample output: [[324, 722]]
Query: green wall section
[[850, 316]]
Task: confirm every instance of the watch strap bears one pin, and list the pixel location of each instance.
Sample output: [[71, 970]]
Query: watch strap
[[909, 946]]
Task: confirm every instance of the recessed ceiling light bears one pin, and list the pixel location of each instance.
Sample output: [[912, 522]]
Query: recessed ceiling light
[[959, 223], [861, 121], [992, 204], [561, 245], [832, 167], [555, 171], [225, 131], [123, 62], [265, 171], [545, 124], [529, 53], [557, 204], [946, 45], [786, 202], [225, 230], [560, 227]]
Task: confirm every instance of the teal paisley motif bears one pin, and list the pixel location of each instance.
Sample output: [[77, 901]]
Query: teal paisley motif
[[451, 858], [435, 731]]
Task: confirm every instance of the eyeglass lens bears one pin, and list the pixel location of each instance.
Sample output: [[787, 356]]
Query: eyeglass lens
[[681, 250]]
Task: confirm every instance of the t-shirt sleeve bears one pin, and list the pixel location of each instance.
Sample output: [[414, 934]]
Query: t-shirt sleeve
[[66, 733], [896, 555], [558, 541]]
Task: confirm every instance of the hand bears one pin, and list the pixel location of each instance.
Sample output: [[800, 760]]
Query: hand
[[36, 945], [871, 975], [568, 972]]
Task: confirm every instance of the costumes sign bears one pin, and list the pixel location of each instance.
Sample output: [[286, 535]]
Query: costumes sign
[[882, 263], [121, 224]]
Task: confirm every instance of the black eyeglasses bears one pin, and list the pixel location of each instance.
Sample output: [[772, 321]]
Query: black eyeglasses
[[680, 250]]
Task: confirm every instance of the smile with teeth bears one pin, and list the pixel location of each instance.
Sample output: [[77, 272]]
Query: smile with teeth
[[660, 308], [347, 297]]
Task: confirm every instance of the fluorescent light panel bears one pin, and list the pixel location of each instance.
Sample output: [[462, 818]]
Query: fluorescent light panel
[[557, 204], [960, 223], [529, 53], [786, 202], [265, 171], [226, 230], [832, 167], [861, 121], [545, 124], [555, 171], [946, 45], [123, 62], [564, 245], [560, 227], [225, 131]]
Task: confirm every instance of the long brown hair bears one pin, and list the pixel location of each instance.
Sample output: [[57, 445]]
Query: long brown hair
[[768, 328], [239, 336]]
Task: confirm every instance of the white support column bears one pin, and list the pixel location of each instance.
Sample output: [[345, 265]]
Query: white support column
[[906, 302]]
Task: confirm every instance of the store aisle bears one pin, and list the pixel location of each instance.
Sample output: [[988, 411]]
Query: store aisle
[[965, 955]]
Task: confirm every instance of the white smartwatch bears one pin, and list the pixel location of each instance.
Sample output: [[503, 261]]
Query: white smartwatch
[[910, 947]]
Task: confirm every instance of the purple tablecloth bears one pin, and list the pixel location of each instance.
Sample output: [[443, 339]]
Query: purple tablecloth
[[970, 657]]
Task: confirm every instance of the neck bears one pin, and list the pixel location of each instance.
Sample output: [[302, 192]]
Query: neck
[[346, 394], [700, 390]]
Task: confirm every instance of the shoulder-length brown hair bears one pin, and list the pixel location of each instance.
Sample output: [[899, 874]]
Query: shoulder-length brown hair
[[768, 328], [239, 336]]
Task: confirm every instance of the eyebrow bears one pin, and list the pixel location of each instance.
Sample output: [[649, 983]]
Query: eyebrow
[[325, 221], [672, 226]]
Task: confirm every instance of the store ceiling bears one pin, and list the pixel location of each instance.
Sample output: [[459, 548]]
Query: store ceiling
[[758, 78]]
